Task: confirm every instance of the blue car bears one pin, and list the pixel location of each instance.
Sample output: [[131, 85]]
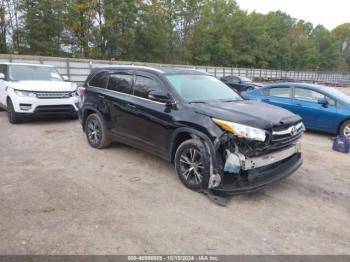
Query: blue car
[[322, 108]]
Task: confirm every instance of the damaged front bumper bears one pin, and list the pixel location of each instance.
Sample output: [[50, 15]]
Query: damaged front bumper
[[268, 159], [259, 172]]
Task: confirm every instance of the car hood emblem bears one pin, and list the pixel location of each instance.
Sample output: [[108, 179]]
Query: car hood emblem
[[293, 131]]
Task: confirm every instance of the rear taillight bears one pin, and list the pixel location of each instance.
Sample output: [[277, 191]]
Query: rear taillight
[[81, 90]]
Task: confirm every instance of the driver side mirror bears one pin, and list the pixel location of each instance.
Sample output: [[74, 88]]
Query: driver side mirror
[[2, 76], [161, 97], [323, 102]]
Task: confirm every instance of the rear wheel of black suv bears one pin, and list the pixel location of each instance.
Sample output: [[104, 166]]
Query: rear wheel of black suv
[[96, 132], [191, 164], [13, 117]]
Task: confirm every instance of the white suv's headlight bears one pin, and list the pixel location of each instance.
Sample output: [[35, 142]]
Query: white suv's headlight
[[242, 130], [24, 93]]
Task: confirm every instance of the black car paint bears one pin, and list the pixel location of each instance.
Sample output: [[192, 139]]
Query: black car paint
[[249, 113], [157, 127], [238, 84], [126, 115]]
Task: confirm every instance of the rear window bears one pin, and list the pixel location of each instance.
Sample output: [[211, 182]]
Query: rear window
[[283, 92], [307, 95]]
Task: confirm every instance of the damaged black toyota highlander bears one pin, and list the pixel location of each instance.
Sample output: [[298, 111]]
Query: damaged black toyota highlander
[[217, 142]]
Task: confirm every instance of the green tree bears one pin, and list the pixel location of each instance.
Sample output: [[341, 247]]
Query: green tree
[[3, 28], [152, 37], [43, 25], [326, 47], [119, 29], [212, 39], [342, 34], [79, 22], [303, 53]]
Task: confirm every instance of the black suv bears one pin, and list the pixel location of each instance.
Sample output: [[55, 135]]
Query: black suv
[[217, 142]]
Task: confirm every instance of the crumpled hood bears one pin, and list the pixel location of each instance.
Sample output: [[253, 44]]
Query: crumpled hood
[[252, 113], [44, 86]]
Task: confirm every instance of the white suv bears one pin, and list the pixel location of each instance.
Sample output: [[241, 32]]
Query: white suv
[[27, 90]]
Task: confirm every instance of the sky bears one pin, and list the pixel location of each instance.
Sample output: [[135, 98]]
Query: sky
[[328, 13]]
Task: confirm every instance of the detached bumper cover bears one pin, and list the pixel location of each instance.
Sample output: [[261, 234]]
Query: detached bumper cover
[[259, 178], [269, 159]]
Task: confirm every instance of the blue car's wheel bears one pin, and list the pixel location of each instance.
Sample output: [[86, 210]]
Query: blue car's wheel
[[345, 129]]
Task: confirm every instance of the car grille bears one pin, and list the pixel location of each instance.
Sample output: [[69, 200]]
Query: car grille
[[53, 95], [57, 109], [286, 135]]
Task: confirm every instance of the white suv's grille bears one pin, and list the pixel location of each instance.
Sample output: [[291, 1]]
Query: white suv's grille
[[48, 95]]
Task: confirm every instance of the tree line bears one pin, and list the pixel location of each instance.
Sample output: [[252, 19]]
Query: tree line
[[198, 32]]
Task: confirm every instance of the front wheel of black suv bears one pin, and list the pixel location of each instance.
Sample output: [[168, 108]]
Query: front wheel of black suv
[[96, 132], [191, 164], [13, 117]]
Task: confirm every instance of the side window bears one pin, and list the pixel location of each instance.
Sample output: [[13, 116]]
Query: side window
[[144, 85], [99, 80], [307, 95], [120, 83], [283, 92]]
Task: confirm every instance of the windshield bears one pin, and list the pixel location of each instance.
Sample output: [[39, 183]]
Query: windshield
[[197, 88], [244, 79], [339, 95], [34, 73]]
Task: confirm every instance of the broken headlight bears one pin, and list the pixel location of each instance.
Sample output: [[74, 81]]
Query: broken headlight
[[242, 131]]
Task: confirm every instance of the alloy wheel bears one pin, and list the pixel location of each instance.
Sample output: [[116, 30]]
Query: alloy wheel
[[94, 131], [191, 166], [347, 131]]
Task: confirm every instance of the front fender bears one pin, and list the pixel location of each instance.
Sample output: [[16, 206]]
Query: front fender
[[211, 146]]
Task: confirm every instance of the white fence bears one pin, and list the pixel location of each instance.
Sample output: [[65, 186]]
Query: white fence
[[78, 69]]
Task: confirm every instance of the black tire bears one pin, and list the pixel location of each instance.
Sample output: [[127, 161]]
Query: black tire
[[345, 129], [192, 164], [96, 132], [13, 117]]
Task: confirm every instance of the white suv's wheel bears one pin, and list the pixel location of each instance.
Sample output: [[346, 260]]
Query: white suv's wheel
[[13, 117]]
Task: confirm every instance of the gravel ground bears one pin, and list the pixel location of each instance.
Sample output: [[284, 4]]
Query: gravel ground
[[60, 196]]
